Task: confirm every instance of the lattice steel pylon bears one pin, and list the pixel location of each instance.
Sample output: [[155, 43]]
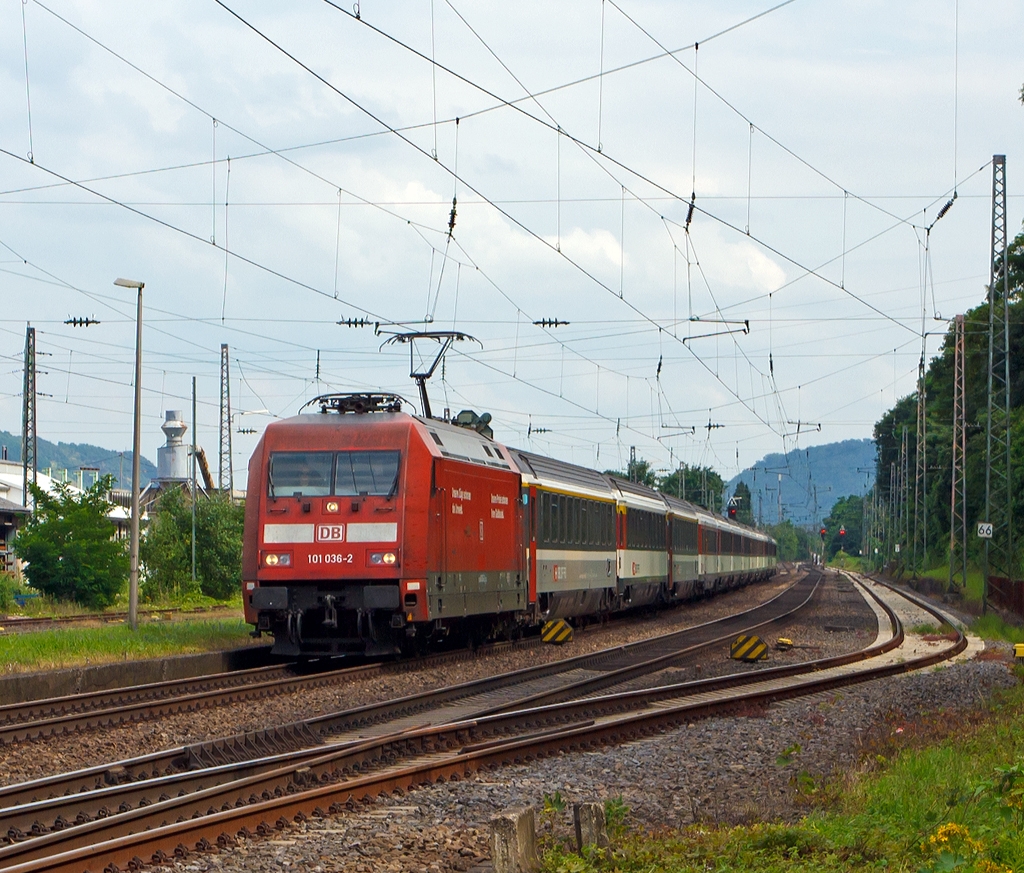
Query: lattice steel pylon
[[904, 495], [225, 474], [29, 441], [957, 488], [920, 553], [998, 570]]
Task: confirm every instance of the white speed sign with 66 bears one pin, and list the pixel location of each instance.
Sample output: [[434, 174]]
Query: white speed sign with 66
[[985, 529]]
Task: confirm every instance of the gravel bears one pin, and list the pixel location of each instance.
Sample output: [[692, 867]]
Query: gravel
[[42, 757], [725, 770]]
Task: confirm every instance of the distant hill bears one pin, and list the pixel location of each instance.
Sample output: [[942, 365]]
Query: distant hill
[[837, 469], [72, 456]]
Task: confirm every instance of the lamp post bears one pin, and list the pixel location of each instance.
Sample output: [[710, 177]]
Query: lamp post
[[133, 559]]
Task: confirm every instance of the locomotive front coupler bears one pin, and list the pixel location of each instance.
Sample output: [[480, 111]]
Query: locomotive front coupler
[[330, 612]]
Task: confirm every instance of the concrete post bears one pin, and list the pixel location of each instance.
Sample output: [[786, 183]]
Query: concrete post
[[514, 841], [591, 829]]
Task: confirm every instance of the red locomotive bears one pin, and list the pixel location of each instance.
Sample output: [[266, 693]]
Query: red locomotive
[[372, 531]]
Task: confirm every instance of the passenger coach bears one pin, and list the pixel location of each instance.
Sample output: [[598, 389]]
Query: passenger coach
[[368, 530]]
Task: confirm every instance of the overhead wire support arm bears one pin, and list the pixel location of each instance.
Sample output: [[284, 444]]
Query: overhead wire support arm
[[806, 424], [745, 329], [691, 430]]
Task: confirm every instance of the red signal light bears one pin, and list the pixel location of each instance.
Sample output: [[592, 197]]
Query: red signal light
[[842, 531], [732, 512], [823, 531]]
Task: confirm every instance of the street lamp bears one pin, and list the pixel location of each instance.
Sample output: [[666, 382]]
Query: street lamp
[[133, 559]]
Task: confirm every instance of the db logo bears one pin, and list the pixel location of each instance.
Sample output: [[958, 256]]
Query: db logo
[[328, 533]]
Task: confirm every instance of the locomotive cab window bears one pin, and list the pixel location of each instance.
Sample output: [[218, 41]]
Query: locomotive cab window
[[322, 474], [372, 473], [300, 474]]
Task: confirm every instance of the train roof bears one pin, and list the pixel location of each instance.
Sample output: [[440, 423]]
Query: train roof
[[466, 444], [447, 440], [541, 470]]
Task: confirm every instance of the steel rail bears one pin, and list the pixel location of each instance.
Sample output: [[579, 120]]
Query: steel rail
[[25, 813], [310, 732], [433, 767], [29, 818], [38, 719], [294, 736]]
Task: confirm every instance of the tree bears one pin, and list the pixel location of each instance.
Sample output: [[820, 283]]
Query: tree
[[69, 546], [742, 502], [166, 551], [700, 485], [639, 471], [939, 389], [847, 515], [794, 543]]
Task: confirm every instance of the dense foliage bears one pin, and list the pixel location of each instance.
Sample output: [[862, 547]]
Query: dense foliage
[[69, 546], [794, 543], [742, 502], [699, 485], [938, 431], [844, 527], [167, 548]]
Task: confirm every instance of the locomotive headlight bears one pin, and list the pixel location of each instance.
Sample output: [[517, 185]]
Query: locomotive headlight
[[271, 560], [378, 559], [389, 558], [331, 506], [277, 559]]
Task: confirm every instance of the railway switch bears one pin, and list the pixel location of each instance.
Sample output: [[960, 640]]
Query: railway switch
[[747, 647]]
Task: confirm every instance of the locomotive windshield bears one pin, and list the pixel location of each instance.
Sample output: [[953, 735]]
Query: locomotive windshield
[[373, 473], [323, 474]]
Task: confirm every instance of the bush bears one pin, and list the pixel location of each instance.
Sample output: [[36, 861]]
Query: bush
[[166, 551], [69, 546], [8, 588]]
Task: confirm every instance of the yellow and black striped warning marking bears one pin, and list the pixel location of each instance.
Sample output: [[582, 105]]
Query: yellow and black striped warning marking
[[748, 648], [557, 632]]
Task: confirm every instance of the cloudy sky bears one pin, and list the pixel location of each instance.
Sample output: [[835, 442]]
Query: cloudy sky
[[269, 170]]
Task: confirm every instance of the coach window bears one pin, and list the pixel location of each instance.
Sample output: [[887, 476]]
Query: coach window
[[300, 474], [373, 473]]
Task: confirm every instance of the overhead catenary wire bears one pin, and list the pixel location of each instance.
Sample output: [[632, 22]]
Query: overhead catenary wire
[[28, 92], [418, 148], [580, 143], [557, 138]]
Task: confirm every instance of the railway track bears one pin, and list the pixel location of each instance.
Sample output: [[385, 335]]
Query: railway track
[[478, 697], [37, 719], [150, 820], [11, 624], [69, 714], [119, 806]]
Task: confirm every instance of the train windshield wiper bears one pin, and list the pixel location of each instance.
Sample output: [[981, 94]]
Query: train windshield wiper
[[270, 480], [393, 488]]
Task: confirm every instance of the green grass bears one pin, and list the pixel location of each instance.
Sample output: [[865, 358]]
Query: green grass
[[992, 627], [76, 646], [947, 794], [842, 561]]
